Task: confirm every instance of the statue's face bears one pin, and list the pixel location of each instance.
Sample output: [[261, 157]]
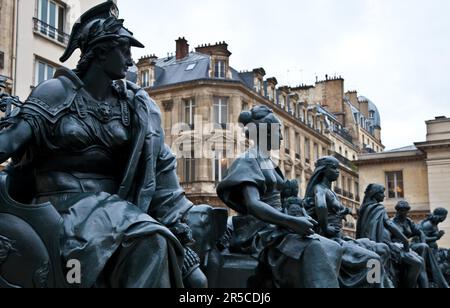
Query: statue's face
[[380, 196], [403, 212], [117, 61], [442, 218], [332, 172]]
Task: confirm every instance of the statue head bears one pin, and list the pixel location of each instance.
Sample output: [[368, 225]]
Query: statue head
[[263, 127], [374, 193], [326, 168], [403, 208], [439, 215], [103, 41]]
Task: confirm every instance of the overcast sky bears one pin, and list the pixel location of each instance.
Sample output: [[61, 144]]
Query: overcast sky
[[395, 52]]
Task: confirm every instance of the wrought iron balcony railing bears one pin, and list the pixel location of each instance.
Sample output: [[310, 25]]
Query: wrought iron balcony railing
[[49, 31]]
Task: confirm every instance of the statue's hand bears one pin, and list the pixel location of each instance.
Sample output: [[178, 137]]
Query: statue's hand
[[441, 234], [302, 225], [406, 246]]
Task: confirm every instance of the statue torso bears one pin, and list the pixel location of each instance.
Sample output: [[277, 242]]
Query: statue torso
[[86, 150], [273, 182]]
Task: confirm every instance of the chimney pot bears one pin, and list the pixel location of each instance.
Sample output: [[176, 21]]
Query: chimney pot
[[182, 49]]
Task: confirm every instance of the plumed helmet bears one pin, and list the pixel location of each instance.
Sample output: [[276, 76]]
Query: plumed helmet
[[98, 24]]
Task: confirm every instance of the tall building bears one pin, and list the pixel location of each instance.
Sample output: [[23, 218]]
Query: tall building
[[201, 87], [419, 173], [34, 34]]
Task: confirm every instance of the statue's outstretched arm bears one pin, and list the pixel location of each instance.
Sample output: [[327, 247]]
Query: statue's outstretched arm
[[14, 139]]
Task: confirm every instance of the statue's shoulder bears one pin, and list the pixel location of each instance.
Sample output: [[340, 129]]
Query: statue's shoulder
[[52, 97], [142, 96]]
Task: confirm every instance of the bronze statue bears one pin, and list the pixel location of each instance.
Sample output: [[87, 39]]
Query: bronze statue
[[410, 230], [289, 253], [324, 206], [430, 227], [374, 224], [92, 145]]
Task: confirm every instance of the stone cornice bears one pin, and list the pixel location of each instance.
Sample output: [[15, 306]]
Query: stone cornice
[[433, 144], [380, 158]]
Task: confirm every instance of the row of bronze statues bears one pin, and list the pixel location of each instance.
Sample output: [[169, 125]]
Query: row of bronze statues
[[90, 183], [300, 243]]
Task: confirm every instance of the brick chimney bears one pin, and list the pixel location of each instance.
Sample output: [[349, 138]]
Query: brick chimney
[[182, 48]]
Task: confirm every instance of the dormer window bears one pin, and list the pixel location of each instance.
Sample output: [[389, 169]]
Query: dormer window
[[145, 79], [219, 69], [271, 94], [258, 85], [282, 101], [372, 114]]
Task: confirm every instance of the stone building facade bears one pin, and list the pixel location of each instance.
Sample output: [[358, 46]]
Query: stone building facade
[[419, 173], [201, 88], [33, 36]]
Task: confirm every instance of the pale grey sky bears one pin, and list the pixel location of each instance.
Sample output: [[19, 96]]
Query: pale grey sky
[[395, 52]]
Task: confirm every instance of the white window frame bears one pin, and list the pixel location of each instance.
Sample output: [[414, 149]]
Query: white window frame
[[220, 102], [220, 69], [287, 139], [47, 66], [47, 21], [219, 160], [145, 79], [396, 181], [189, 111]]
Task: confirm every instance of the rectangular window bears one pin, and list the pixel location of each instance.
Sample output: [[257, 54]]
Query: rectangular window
[[145, 79], [356, 191], [270, 94], [298, 146], [51, 19], [307, 150], [219, 69], [282, 101], [189, 112], [287, 139], [44, 71], [221, 111], [220, 166], [394, 183], [258, 86], [316, 152], [189, 169]]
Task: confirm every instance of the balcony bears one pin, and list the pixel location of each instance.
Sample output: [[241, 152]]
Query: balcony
[[344, 134], [358, 198], [50, 32], [345, 161], [338, 190]]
